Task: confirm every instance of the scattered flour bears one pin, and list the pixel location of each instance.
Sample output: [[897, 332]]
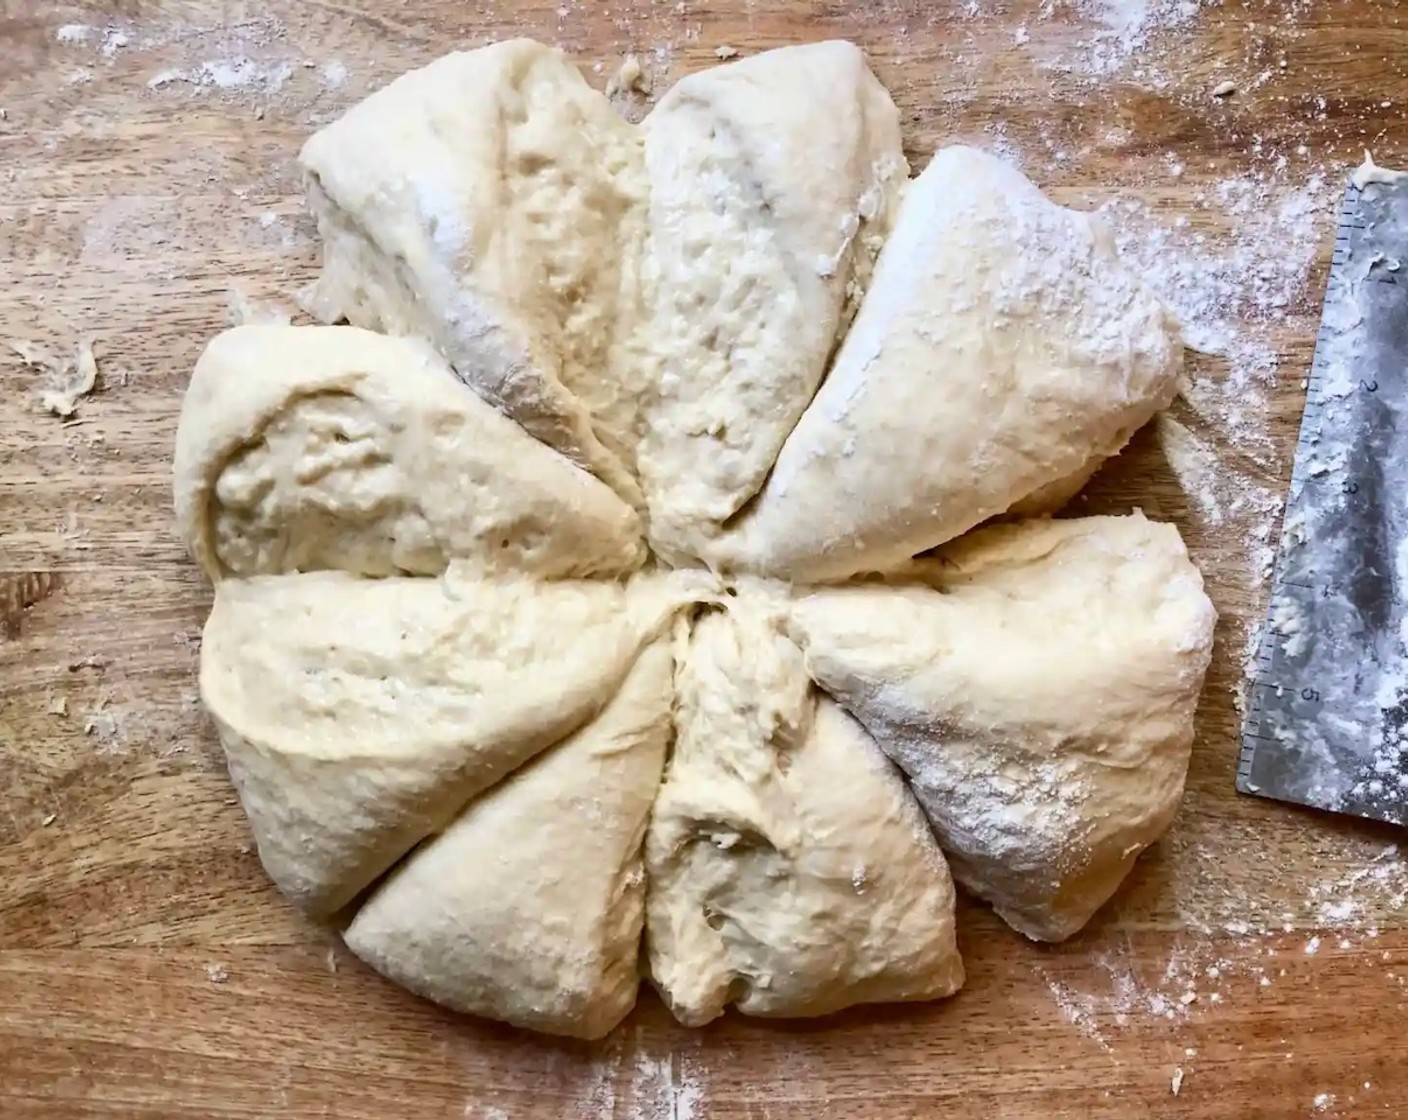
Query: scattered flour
[[1231, 284], [109, 40], [113, 41], [335, 74], [1199, 469], [1001, 144], [665, 1088], [1358, 899], [1130, 991], [1235, 271], [248, 56], [1143, 39], [228, 74], [596, 1096], [1125, 30]]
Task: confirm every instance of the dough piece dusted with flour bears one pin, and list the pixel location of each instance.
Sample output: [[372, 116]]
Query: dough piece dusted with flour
[[360, 716], [773, 182], [791, 874], [447, 661], [309, 448], [529, 907], [493, 203], [1002, 348], [1038, 687]]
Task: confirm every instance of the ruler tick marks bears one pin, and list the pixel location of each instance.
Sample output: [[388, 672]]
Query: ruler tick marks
[[1330, 689]]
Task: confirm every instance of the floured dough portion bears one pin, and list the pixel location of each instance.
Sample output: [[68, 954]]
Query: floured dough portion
[[529, 907], [447, 661], [1037, 684], [493, 203], [360, 716], [1055, 496], [1002, 348], [791, 874], [309, 448], [773, 182]]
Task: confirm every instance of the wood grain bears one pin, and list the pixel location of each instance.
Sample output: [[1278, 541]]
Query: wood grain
[[148, 970]]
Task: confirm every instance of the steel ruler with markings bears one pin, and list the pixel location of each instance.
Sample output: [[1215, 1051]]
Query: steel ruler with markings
[[1327, 709]]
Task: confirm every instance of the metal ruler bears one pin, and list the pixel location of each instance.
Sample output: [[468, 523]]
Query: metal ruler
[[1327, 711]]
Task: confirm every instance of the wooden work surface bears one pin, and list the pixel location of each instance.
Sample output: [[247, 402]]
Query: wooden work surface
[[1255, 961]]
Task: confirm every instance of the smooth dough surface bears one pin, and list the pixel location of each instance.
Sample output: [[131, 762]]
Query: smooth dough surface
[[311, 448], [492, 202], [529, 907], [1037, 684], [360, 716], [791, 873], [773, 182], [1001, 348]]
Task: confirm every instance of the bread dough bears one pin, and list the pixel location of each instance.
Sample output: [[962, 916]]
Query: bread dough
[[446, 667], [529, 907], [492, 202], [360, 716], [308, 448], [791, 874], [1002, 348], [773, 182], [1037, 684]]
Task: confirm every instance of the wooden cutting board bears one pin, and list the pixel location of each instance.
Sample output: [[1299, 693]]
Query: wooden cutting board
[[1253, 967]]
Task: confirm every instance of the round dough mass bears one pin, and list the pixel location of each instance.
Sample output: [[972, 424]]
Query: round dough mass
[[597, 603]]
